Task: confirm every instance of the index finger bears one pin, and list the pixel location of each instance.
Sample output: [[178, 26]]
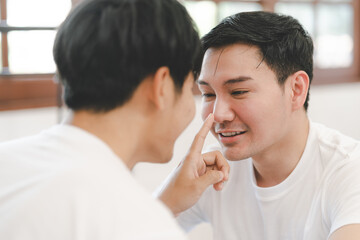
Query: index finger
[[199, 139]]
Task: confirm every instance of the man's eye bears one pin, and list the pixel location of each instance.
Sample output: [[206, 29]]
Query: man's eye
[[208, 95], [236, 93]]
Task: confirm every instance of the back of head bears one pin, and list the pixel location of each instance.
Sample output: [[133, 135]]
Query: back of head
[[105, 48], [283, 43]]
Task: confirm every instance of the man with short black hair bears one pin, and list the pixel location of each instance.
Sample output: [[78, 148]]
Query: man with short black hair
[[290, 178], [127, 70]]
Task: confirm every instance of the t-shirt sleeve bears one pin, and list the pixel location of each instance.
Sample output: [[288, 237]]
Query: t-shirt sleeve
[[342, 200], [191, 217]]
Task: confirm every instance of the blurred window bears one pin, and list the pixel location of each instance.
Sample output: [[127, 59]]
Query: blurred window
[[230, 8], [204, 14], [28, 28], [335, 36], [330, 23], [27, 67], [333, 25]]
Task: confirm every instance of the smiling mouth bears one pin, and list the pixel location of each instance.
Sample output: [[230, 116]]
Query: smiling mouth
[[231, 134]]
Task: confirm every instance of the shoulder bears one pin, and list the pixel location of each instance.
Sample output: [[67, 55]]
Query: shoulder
[[125, 207], [339, 156], [335, 147], [83, 196], [333, 139], [39, 144], [68, 175]]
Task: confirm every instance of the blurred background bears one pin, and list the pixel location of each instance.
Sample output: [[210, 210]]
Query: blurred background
[[30, 98]]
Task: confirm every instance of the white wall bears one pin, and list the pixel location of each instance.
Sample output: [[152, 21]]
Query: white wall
[[336, 106]]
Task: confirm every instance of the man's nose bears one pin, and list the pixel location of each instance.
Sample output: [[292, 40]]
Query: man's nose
[[222, 111]]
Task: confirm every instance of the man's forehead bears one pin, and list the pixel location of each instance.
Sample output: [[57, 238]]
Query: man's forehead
[[236, 49], [236, 58]]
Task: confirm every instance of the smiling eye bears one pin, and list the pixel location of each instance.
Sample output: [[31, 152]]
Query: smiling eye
[[207, 95], [239, 92]]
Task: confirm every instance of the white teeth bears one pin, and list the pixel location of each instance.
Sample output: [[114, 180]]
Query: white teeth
[[230, 134]]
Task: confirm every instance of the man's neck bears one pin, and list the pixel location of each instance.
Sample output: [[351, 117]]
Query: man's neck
[[119, 129], [273, 167]]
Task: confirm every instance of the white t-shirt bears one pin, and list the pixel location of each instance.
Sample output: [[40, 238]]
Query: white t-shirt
[[67, 184], [319, 196]]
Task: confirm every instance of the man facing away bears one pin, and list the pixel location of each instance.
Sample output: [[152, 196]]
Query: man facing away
[[127, 70], [290, 178]]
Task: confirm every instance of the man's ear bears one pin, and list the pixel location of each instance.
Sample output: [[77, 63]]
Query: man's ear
[[299, 89], [159, 87]]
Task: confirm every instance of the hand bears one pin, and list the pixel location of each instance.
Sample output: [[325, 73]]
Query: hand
[[195, 173]]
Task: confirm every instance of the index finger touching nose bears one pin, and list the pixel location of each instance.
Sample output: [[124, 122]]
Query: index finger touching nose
[[199, 139]]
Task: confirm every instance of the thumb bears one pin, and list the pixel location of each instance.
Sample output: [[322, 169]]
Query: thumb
[[211, 177]]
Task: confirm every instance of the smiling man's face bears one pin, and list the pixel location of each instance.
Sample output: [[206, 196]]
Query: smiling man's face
[[250, 108]]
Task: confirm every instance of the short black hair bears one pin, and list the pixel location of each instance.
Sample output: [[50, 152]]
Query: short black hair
[[284, 44], [105, 48]]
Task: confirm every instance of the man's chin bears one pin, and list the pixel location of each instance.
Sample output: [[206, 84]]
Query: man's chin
[[166, 159], [160, 157], [234, 154]]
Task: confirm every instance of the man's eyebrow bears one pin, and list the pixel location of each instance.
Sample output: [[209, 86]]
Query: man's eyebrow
[[201, 82], [227, 82], [237, 80]]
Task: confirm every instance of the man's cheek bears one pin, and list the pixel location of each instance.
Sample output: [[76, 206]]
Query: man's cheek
[[206, 109]]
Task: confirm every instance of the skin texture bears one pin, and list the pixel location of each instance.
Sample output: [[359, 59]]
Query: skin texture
[[243, 94]]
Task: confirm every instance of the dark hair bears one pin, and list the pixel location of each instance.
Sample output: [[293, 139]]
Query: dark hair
[[105, 48], [283, 43]]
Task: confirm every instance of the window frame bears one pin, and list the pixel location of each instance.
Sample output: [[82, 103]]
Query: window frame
[[328, 75], [20, 91]]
